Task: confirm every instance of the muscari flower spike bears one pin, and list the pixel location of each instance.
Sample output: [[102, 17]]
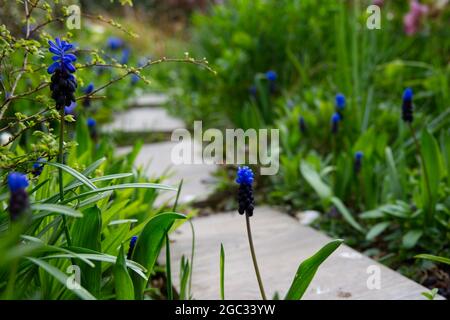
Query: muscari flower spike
[[358, 161], [407, 106], [125, 56], [245, 194], [271, 75], [335, 118], [340, 101], [88, 90], [131, 248], [63, 83], [114, 43], [92, 126], [18, 202], [38, 166]]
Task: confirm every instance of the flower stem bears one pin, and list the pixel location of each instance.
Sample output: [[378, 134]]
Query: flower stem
[[255, 262], [60, 173], [427, 182]]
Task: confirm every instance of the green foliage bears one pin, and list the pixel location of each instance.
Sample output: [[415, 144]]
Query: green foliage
[[308, 268]]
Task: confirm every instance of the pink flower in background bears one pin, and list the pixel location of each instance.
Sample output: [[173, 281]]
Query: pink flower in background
[[413, 19], [379, 3]]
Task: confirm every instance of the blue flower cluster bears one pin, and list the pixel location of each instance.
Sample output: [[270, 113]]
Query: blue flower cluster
[[246, 200], [18, 202], [407, 106], [131, 248]]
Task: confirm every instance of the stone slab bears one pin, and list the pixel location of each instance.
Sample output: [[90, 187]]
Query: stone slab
[[156, 159], [145, 119]]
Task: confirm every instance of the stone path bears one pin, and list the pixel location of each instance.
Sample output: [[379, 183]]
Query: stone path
[[156, 159], [281, 242], [144, 119]]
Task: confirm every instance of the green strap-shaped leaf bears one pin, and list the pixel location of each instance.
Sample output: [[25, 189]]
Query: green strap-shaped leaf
[[82, 178], [222, 272], [433, 258], [122, 280], [308, 269], [315, 181], [62, 278], [54, 208], [123, 186], [149, 245], [346, 214]]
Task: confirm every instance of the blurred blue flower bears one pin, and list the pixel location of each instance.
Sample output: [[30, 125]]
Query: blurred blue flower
[[271, 75], [62, 58], [340, 101], [91, 122], [89, 88], [358, 161], [125, 56], [38, 166], [131, 248], [335, 118], [17, 181], [244, 175], [70, 110], [114, 43], [407, 106]]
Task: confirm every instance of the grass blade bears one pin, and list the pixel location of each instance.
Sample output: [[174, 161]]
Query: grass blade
[[308, 269]]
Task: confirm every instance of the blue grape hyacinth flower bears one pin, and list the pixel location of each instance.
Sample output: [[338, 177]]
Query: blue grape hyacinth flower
[[17, 181], [358, 161], [125, 56], [271, 75], [246, 200], [63, 83], [87, 91], [407, 106], [131, 248], [114, 43], [38, 166], [91, 122], [335, 118], [62, 57], [340, 101], [18, 202]]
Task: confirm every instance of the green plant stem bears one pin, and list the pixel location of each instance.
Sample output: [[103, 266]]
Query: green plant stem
[[427, 182], [60, 173], [255, 262]]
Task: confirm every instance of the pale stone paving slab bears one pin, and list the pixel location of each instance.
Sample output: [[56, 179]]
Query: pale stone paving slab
[[281, 242], [146, 119], [150, 99], [156, 159]]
